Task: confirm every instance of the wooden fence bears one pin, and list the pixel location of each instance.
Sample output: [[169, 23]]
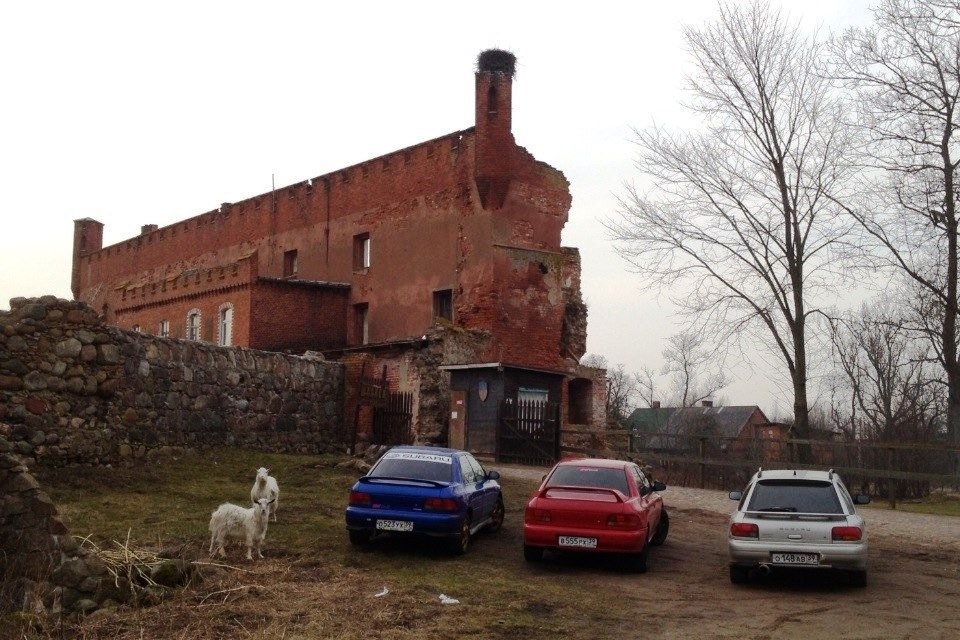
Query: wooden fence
[[893, 470]]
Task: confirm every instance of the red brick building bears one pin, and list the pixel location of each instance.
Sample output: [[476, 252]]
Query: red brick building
[[450, 247]]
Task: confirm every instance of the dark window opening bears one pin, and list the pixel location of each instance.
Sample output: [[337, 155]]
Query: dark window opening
[[443, 304], [580, 397], [361, 325], [290, 264], [361, 251], [492, 101]]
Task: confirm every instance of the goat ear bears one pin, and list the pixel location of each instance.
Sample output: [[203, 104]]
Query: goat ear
[[272, 501]]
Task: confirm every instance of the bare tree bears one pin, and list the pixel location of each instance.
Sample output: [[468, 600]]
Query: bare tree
[[621, 387], [885, 389], [690, 361], [646, 380], [906, 70], [738, 214]]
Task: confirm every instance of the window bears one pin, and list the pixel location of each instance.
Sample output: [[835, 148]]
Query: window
[[193, 325], [164, 329], [525, 394], [361, 325], [136, 328], [290, 265], [467, 474], [795, 496], [361, 251], [443, 304], [226, 326]]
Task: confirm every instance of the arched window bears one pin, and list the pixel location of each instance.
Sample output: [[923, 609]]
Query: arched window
[[225, 337], [193, 324]]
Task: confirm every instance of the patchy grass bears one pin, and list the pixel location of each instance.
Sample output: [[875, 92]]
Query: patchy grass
[[313, 583], [940, 503]]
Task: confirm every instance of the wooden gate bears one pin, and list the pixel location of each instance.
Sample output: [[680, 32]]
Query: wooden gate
[[528, 432], [393, 419]]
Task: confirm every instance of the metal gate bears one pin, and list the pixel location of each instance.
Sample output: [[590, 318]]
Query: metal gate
[[528, 432], [393, 419]]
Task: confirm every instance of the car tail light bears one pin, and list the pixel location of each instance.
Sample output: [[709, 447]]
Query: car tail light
[[846, 534], [440, 504], [623, 521], [537, 515], [744, 530], [360, 499]]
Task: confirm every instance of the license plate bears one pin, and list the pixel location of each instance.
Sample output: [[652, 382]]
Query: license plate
[[795, 558], [394, 525], [576, 541]]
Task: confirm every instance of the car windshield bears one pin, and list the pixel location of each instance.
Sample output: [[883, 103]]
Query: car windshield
[[577, 476], [792, 496], [412, 464]]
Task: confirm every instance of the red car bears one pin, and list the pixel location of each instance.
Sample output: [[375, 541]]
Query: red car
[[596, 506]]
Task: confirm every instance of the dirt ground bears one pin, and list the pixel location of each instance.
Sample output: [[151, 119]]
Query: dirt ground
[[913, 589], [326, 589]]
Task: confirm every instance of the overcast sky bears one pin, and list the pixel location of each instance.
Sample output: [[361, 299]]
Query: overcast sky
[[134, 113]]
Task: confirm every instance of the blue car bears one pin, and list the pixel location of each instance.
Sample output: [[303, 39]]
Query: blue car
[[443, 493]]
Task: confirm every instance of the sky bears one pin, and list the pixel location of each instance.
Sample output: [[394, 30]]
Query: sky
[[148, 113]]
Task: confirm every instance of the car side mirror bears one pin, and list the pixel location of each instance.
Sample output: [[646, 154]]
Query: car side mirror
[[735, 495], [862, 499], [659, 486], [493, 475]]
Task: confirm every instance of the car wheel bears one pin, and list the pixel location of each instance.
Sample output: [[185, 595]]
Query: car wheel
[[532, 554], [496, 518], [739, 575], [857, 578], [462, 542], [638, 561], [662, 528], [359, 538]]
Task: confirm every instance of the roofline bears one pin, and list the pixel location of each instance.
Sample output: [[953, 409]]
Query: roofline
[[498, 365], [320, 284]]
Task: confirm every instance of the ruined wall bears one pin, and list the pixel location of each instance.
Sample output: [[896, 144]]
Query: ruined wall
[[77, 391], [39, 561]]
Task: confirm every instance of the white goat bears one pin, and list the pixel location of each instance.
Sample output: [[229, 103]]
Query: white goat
[[265, 486], [231, 521]]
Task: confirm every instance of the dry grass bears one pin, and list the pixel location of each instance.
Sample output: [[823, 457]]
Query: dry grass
[[312, 583]]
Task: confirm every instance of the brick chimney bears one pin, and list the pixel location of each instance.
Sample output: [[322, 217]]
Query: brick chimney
[[706, 403], [655, 404], [493, 162]]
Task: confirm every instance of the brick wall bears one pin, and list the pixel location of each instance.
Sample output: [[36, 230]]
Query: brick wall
[[297, 317], [440, 216]]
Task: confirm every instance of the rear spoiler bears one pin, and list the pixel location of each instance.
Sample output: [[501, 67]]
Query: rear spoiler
[[567, 487], [398, 480], [791, 515]]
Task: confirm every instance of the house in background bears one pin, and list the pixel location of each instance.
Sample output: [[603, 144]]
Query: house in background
[[435, 273], [736, 431]]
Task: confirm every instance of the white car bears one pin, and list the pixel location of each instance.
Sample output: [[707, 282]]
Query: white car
[[791, 519]]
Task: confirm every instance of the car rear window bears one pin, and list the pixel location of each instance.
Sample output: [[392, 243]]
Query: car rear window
[[792, 496], [590, 477], [410, 464]]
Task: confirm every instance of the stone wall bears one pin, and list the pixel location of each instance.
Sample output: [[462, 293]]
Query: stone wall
[[40, 564], [75, 391]]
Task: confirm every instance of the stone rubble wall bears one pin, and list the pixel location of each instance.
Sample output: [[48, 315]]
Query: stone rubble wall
[[40, 564], [76, 391]]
